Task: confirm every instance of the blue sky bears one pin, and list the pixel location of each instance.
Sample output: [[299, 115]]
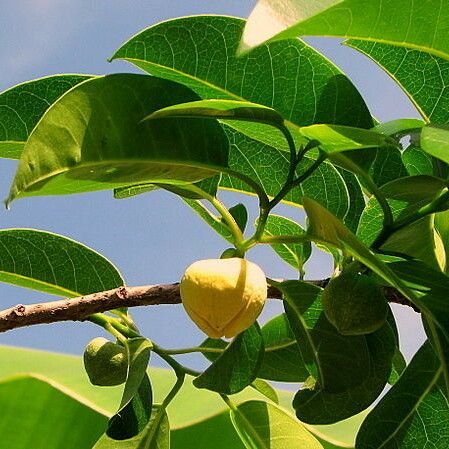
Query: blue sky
[[151, 238]]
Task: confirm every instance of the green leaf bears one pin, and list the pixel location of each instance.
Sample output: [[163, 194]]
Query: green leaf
[[326, 228], [435, 141], [398, 127], [149, 438], [359, 19], [189, 406], [273, 75], [335, 139], [441, 223], [424, 77], [387, 166], [180, 49], [135, 407], [282, 361], [42, 414], [317, 406], [78, 152], [417, 161], [22, 106], [240, 215], [237, 367], [294, 254], [221, 109], [266, 389], [263, 425], [405, 196], [414, 414], [53, 264], [336, 362], [399, 365]]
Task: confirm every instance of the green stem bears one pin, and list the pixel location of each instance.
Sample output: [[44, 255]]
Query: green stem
[[177, 367], [263, 198], [280, 239], [224, 212], [181, 351], [180, 377], [107, 322]]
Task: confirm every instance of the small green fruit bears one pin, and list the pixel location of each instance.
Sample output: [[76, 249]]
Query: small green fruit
[[354, 304], [105, 362]]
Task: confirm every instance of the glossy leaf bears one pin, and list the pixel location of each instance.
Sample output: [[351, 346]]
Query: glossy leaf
[[398, 127], [294, 254], [360, 19], [78, 152], [326, 228], [426, 87], [282, 360], [387, 166], [237, 366], [43, 414], [266, 389], [180, 50], [53, 264], [263, 425], [317, 406], [156, 435], [336, 362], [221, 109], [240, 215], [137, 399], [435, 141], [22, 106], [189, 406], [273, 75], [414, 413], [335, 139], [405, 197], [417, 161]]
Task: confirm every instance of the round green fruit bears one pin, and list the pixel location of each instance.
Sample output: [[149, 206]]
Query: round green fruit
[[223, 296], [354, 304], [105, 362]]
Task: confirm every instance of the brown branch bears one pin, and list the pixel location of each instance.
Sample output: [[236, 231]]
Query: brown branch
[[78, 309]]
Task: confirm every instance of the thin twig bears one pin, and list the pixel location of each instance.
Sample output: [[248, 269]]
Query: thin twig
[[80, 308]]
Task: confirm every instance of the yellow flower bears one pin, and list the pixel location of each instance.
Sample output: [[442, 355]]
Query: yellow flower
[[223, 296]]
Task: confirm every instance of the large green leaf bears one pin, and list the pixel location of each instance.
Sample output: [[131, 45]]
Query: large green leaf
[[423, 76], [237, 366], [414, 414], [190, 405], [336, 362], [22, 106], [263, 425], [317, 406], [360, 19], [277, 75], [325, 228], [199, 419], [156, 435], [53, 264], [92, 138], [41, 415], [417, 161]]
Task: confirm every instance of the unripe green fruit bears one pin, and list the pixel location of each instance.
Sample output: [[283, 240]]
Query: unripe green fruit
[[105, 362], [354, 304], [223, 296]]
